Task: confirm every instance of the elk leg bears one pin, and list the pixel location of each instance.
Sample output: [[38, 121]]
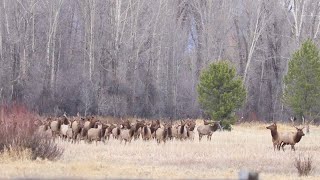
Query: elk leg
[[283, 146]]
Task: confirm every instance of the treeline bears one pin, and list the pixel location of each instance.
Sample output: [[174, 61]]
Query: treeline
[[143, 58]]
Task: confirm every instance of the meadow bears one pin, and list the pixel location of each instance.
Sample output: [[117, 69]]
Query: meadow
[[247, 147]]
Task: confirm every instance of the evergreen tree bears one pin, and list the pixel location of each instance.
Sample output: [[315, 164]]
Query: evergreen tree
[[302, 83], [220, 92]]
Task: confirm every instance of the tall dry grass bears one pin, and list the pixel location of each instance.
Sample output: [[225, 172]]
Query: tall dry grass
[[246, 147]]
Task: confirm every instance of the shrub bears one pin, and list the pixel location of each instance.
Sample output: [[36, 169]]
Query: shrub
[[17, 133], [303, 165]]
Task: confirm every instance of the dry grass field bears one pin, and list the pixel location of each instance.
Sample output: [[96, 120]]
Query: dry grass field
[[248, 146]]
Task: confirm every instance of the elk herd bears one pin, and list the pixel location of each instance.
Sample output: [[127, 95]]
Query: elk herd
[[89, 129]]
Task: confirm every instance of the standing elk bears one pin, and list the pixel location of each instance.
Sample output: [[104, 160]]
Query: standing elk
[[182, 131], [274, 135], [44, 129], [116, 132], [89, 123], [55, 126], [137, 129], [126, 135], [162, 133], [190, 128], [208, 129], [290, 138], [146, 132], [77, 126], [153, 127], [97, 132], [109, 131]]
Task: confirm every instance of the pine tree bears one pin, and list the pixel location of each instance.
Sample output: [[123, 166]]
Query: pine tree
[[302, 83], [220, 92]]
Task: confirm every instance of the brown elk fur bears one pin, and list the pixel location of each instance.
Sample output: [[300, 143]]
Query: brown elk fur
[[290, 138], [205, 122], [154, 126], [126, 124], [274, 135], [136, 127]]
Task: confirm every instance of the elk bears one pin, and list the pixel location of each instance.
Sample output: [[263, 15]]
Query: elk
[[208, 129], [109, 131], [55, 126], [97, 133], [44, 129], [154, 126], [70, 134], [146, 132], [89, 123], [190, 127], [116, 132], [182, 131], [290, 138], [136, 128], [274, 135], [63, 131], [126, 135], [162, 133], [76, 128]]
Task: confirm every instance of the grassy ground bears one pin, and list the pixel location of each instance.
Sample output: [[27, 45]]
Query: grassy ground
[[248, 146]]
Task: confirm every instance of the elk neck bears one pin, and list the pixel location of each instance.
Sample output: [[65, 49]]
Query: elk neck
[[274, 133]]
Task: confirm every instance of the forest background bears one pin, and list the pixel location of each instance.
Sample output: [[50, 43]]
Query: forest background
[[143, 58]]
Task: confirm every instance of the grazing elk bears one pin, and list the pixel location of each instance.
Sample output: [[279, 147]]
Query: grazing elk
[[208, 129]]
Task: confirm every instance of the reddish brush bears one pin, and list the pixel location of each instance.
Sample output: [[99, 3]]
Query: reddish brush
[[16, 121], [17, 130]]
